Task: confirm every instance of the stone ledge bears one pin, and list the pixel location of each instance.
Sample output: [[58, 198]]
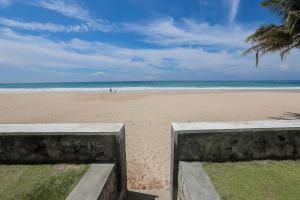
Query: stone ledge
[[236, 126], [58, 129], [194, 183], [98, 183]]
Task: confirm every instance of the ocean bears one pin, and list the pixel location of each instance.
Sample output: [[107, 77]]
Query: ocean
[[127, 86]]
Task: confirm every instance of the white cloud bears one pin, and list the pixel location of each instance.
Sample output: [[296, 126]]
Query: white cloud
[[188, 32], [74, 10], [119, 63], [97, 74], [37, 51], [67, 8], [5, 3], [234, 5], [70, 10], [284, 67], [35, 26]]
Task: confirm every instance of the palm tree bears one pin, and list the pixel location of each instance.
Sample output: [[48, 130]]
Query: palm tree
[[277, 38]]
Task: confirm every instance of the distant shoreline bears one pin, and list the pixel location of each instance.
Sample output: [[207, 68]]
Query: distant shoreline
[[143, 89], [149, 86]]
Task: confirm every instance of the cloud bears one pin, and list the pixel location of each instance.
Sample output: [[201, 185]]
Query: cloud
[[35, 26], [284, 67], [36, 53], [74, 10], [234, 5], [21, 50], [97, 74], [5, 3], [168, 32], [70, 10], [67, 8]]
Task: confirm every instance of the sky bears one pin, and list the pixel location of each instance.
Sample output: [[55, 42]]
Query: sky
[[135, 40]]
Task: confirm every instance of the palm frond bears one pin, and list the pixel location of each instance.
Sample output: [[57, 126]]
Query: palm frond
[[277, 38], [281, 6]]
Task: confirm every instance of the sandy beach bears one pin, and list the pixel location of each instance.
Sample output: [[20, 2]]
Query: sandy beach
[[148, 118]]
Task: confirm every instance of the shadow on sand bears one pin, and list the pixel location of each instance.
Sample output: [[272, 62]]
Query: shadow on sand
[[287, 116], [140, 196]]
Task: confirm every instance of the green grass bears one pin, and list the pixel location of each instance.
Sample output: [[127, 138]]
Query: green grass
[[256, 180], [38, 182]]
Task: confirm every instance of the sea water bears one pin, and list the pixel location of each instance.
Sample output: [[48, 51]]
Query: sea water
[[127, 86]]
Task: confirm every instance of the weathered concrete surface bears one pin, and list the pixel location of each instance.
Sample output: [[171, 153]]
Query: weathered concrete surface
[[65, 143], [59, 143], [222, 126], [221, 142], [100, 182], [235, 141], [57, 129], [194, 183], [45, 149]]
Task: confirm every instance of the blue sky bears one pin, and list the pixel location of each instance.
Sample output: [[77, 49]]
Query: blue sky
[[119, 40]]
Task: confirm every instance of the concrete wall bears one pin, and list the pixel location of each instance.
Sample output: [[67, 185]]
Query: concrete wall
[[68, 143], [100, 182], [221, 142], [194, 183], [110, 189]]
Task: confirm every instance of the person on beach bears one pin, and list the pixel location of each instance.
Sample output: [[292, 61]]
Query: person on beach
[[110, 90]]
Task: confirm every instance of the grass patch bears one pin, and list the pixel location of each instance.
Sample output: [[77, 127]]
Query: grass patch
[[39, 182], [256, 180]]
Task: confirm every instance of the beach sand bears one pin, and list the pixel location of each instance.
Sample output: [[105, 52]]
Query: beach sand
[[148, 118]]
